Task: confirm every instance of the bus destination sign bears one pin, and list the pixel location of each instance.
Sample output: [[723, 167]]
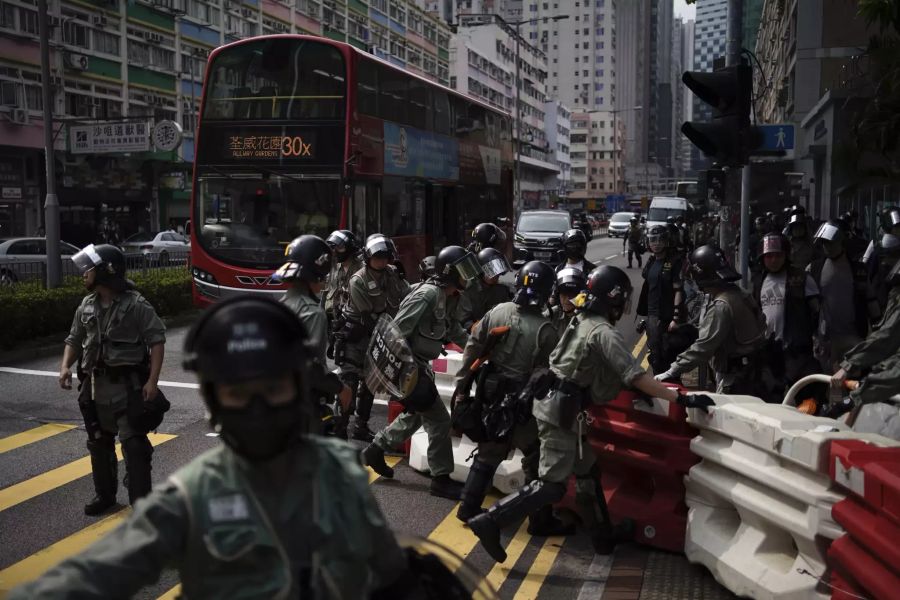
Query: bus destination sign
[[269, 147], [260, 144]]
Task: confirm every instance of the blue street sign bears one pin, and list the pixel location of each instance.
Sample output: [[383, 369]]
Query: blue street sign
[[777, 137]]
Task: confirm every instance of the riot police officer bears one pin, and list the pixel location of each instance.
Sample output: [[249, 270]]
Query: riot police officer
[[308, 264], [486, 291], [375, 289], [241, 520], [486, 235], [873, 257], [732, 330], [574, 244], [662, 296], [426, 267], [570, 282], [797, 232], [527, 339], [591, 364], [633, 240], [119, 342], [427, 320], [345, 248]]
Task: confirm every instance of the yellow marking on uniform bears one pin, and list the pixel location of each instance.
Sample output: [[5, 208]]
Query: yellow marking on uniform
[[32, 435], [645, 364], [453, 533], [49, 480], [37, 564], [502, 570], [539, 570], [391, 462], [639, 346], [373, 476]]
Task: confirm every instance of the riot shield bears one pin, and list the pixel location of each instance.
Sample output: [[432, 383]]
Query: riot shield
[[390, 366]]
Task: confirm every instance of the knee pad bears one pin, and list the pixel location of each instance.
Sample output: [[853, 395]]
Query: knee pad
[[137, 447], [105, 443]]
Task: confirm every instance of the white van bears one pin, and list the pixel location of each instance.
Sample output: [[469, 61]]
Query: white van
[[662, 207]]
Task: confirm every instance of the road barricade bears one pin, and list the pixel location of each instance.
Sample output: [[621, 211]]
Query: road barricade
[[445, 369], [760, 499], [865, 563]]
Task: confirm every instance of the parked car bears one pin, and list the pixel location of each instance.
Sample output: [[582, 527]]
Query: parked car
[[619, 223], [25, 258], [539, 235], [158, 247]]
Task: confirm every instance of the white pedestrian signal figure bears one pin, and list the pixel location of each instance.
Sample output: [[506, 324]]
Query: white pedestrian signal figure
[[779, 138]]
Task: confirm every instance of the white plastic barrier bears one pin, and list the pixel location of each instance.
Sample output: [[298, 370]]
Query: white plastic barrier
[[446, 367], [760, 500], [509, 476]]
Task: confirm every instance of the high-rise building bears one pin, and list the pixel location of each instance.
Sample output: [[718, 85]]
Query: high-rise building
[[710, 36], [687, 62], [633, 76], [677, 141], [660, 116], [558, 126]]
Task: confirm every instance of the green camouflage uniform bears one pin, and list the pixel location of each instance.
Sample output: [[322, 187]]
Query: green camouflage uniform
[[479, 298], [879, 354], [234, 531], [428, 319], [302, 303], [335, 296]]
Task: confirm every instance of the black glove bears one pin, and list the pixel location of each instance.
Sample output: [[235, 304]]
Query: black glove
[[701, 401], [641, 326]]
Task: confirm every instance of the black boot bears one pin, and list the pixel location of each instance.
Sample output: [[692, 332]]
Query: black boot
[[530, 497], [360, 431], [364, 400], [444, 487], [373, 456], [479, 481], [595, 515], [138, 453], [104, 470], [544, 523]]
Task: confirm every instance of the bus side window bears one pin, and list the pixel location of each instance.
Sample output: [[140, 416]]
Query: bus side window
[[393, 95], [442, 112], [419, 112], [367, 88]]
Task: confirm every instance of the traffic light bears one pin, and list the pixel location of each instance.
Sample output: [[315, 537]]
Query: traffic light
[[729, 138]]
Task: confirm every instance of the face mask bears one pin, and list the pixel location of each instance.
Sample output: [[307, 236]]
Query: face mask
[[259, 431], [575, 251]]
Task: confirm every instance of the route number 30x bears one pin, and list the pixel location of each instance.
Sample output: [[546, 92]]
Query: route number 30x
[[294, 146]]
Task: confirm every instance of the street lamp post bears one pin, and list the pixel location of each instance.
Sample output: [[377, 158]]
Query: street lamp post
[[51, 202], [516, 25]]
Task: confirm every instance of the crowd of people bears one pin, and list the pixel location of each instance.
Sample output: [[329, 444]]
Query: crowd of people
[[248, 516]]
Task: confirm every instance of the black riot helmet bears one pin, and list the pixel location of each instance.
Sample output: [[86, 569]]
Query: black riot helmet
[[534, 284], [607, 292], [487, 235], [570, 281], [761, 224], [426, 267], [308, 259], [796, 209], [796, 226], [658, 234], [773, 243], [890, 218], [108, 263], [493, 263], [247, 339], [381, 246], [710, 268], [343, 243], [833, 230], [455, 266], [575, 243]]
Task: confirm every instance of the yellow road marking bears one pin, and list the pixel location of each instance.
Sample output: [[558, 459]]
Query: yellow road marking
[[49, 480], [639, 346], [453, 533], [502, 570], [32, 435], [539, 570], [32, 567], [373, 476]]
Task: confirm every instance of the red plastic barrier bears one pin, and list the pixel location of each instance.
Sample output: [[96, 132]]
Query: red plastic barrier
[[643, 457], [394, 410], [866, 561]]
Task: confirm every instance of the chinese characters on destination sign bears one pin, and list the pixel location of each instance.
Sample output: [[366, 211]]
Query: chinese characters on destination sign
[[268, 146]]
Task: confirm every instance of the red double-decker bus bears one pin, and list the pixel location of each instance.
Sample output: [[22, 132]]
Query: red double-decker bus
[[300, 134]]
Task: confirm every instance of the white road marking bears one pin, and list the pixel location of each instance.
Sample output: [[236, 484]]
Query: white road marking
[[597, 575], [175, 384], [610, 257]]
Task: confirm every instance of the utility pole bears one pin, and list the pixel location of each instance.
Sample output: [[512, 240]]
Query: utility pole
[[51, 202], [733, 58], [517, 178]]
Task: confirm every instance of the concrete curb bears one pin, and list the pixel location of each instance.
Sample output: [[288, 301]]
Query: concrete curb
[[53, 344]]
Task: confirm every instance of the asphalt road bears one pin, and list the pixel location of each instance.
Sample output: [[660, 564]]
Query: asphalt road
[[45, 480]]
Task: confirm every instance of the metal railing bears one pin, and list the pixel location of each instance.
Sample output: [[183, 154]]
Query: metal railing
[[16, 271]]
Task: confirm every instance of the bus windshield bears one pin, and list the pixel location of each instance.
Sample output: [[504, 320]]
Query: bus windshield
[[276, 79], [247, 219], [661, 214]]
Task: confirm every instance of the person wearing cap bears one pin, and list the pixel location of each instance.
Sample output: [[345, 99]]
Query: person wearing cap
[[428, 320], [270, 512], [789, 300], [732, 332], [662, 296], [485, 292], [848, 299], [374, 290], [119, 342]]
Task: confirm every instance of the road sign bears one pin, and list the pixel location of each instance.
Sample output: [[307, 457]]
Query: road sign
[[776, 138]]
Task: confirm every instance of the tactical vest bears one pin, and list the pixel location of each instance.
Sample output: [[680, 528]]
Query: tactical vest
[[749, 323], [233, 548], [799, 326], [385, 295], [516, 353], [430, 334], [671, 267], [860, 290], [119, 342], [339, 285]]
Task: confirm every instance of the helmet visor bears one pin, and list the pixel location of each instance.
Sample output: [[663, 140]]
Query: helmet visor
[[468, 267], [381, 245], [828, 232], [496, 267], [892, 218], [337, 238], [86, 259], [289, 270]]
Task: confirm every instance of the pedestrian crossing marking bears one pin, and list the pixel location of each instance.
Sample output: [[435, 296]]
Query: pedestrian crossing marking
[[32, 567], [539, 570], [514, 551], [639, 346], [54, 478], [453, 533], [33, 435]]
